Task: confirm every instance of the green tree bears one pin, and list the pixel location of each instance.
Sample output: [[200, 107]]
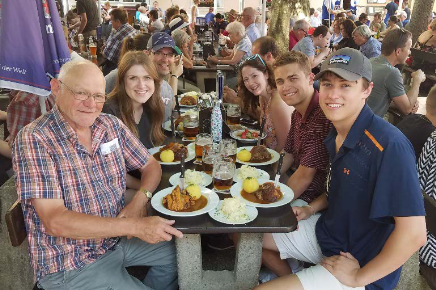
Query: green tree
[[281, 13]]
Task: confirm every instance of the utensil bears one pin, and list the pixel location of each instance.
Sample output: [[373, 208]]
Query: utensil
[[259, 139], [182, 173], [173, 129], [177, 105], [279, 167]]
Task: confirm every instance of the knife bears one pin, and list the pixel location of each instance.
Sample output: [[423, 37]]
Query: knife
[[177, 104], [279, 167], [182, 173], [259, 138], [173, 129]]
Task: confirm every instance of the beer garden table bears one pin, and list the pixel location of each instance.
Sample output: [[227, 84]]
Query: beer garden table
[[248, 249]]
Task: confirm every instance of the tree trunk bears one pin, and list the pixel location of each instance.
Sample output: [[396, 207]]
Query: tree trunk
[[281, 13], [420, 17]]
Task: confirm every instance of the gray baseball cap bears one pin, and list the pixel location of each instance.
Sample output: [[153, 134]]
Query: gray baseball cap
[[348, 63]]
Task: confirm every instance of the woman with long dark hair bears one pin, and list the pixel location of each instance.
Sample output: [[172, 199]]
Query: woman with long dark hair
[[258, 90], [347, 27]]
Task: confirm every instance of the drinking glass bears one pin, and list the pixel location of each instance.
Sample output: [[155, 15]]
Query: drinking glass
[[190, 125], [223, 172], [201, 140], [210, 155], [233, 114], [228, 148]]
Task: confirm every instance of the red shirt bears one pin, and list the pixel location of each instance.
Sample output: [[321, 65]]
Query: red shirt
[[305, 142], [292, 40]]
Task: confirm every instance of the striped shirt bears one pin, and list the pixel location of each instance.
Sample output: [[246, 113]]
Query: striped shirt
[[305, 142], [114, 43], [427, 179], [50, 163]]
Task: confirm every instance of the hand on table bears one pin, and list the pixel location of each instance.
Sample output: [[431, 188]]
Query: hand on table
[[344, 267], [213, 59], [415, 107], [156, 229]]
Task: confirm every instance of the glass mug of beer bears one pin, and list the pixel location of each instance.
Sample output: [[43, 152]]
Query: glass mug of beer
[[190, 125], [233, 114], [201, 140], [229, 148], [93, 49], [210, 156], [223, 171]]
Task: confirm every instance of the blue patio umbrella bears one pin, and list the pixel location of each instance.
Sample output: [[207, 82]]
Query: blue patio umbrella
[[32, 45]]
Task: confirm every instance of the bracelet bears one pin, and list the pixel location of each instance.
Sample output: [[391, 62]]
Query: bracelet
[[219, 61], [311, 207], [175, 76]]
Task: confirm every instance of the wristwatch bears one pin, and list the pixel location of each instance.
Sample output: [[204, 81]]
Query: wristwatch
[[147, 193]]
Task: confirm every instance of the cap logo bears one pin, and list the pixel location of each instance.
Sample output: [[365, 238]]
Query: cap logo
[[344, 59]]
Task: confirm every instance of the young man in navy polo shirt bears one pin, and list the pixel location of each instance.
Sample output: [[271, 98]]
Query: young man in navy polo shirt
[[373, 218]]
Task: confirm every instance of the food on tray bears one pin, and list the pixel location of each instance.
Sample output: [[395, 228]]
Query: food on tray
[[244, 155], [234, 210], [179, 200], [179, 150], [260, 154], [189, 99], [267, 193], [248, 134], [248, 171], [166, 156], [178, 123], [194, 191], [250, 185], [193, 177]]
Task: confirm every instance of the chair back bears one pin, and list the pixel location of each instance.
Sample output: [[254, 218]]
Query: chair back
[[430, 209]]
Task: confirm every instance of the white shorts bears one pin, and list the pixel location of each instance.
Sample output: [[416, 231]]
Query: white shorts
[[302, 244]]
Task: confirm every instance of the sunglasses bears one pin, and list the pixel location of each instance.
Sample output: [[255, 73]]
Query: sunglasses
[[254, 57]]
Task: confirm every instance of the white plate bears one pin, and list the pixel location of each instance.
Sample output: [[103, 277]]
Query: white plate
[[207, 179], [263, 175], [212, 202], [274, 159], [234, 135], [217, 215], [288, 195], [191, 154], [186, 106]]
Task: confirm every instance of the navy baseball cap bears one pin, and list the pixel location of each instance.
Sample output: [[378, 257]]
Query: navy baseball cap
[[160, 40], [348, 63]]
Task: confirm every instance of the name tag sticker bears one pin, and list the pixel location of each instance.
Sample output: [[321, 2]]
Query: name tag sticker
[[109, 147]]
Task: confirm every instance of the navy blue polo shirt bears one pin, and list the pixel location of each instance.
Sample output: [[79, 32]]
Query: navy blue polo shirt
[[372, 179]]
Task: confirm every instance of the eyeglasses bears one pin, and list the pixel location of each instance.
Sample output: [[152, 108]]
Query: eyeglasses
[[159, 53], [83, 96], [256, 56], [305, 32]]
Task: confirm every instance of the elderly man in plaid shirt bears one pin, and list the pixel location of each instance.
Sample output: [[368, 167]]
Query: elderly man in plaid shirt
[[70, 169], [114, 43]]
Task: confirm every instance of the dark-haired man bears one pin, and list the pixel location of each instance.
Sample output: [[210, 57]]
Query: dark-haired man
[[387, 79], [373, 212], [114, 43], [88, 12], [220, 24], [307, 45], [267, 48]]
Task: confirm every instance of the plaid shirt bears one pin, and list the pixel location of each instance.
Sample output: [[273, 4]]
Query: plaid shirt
[[50, 163], [23, 109], [115, 42]]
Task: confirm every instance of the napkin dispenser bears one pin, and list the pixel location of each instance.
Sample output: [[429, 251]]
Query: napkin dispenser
[[208, 49]]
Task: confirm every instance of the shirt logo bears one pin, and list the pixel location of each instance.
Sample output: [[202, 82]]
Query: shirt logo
[[346, 171], [344, 59]]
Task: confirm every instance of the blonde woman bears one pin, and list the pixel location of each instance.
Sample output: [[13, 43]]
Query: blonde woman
[[194, 13]]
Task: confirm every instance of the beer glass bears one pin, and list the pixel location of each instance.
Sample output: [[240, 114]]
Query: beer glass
[[223, 172], [190, 125], [233, 114], [93, 49], [210, 155], [201, 140], [228, 148]]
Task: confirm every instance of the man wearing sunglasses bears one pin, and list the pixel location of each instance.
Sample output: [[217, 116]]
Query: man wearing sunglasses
[[307, 45], [71, 168], [387, 79]]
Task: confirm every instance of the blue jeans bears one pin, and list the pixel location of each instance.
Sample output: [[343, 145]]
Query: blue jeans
[[109, 270]]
